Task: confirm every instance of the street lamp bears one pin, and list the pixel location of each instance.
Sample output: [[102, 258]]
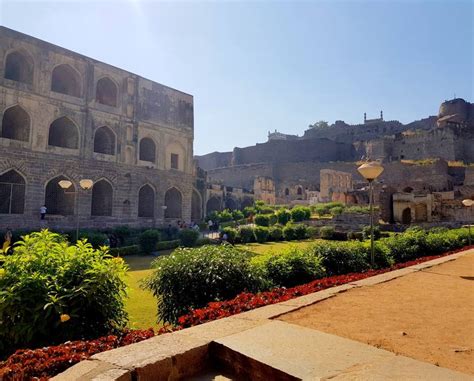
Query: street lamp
[[85, 184], [370, 171], [468, 203]]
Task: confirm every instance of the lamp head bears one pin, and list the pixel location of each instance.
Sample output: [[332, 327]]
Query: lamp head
[[86, 184], [65, 184], [468, 202], [370, 171]]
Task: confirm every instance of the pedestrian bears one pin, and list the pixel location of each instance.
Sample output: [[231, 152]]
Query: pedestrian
[[210, 224], [43, 211], [7, 240]]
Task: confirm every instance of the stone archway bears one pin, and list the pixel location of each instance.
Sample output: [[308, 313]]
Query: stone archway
[[213, 205], [406, 216], [421, 213], [196, 207]]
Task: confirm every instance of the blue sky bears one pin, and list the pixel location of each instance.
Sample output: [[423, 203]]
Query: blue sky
[[259, 66]]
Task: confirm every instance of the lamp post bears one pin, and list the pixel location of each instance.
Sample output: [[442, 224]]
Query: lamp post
[[370, 171], [85, 184], [468, 203]]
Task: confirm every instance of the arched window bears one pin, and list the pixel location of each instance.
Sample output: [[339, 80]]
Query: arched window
[[106, 92], [12, 193], [16, 124], [102, 196], [146, 201], [247, 201], [299, 192], [173, 202], [230, 203], [58, 200], [287, 192], [63, 133], [213, 204], [18, 67], [196, 206], [147, 150], [104, 141], [66, 80]]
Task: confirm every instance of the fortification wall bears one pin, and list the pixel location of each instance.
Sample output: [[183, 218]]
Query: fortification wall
[[214, 160], [241, 176], [278, 151]]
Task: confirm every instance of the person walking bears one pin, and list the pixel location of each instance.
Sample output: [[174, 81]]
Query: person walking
[[43, 211], [7, 240]]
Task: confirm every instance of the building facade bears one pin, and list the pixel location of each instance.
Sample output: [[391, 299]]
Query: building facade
[[65, 116]]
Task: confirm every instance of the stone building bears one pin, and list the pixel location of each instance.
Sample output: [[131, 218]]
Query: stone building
[[334, 185], [67, 116]]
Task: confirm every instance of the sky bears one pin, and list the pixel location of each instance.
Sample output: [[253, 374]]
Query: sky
[[255, 66]]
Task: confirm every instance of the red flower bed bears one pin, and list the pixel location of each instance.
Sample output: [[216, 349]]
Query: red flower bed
[[43, 363], [247, 301]]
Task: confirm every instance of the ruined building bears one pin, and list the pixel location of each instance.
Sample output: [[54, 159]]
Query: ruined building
[[425, 156], [65, 116]]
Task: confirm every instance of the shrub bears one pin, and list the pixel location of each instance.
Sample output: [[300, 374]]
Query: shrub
[[301, 231], [231, 234], [335, 211], [249, 210], [148, 240], [246, 234], [382, 256], [125, 250], [366, 232], [293, 267], [312, 232], [261, 234], [276, 233], [321, 209], [188, 237], [289, 232], [190, 278], [237, 215], [265, 210], [407, 246], [262, 220], [122, 233], [96, 239], [300, 213], [203, 241], [342, 257], [225, 216], [168, 245], [283, 216], [327, 232], [52, 291]]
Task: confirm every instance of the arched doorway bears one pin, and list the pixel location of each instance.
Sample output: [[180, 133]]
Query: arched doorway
[[406, 216], [146, 201], [102, 199], [213, 205], [59, 201], [231, 203], [173, 202]]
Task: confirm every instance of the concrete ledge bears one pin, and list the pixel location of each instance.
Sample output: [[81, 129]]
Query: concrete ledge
[[94, 370]]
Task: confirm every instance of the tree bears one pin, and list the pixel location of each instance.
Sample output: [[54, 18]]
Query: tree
[[319, 125]]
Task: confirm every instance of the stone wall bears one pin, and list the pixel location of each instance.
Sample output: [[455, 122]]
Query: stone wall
[[140, 110]]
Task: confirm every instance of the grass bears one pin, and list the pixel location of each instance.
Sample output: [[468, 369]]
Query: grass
[[140, 304], [263, 248]]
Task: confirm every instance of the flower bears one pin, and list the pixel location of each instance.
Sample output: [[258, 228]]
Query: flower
[[2, 273], [64, 318]]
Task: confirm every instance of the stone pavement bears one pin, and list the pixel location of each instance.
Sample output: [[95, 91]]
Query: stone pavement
[[253, 346]]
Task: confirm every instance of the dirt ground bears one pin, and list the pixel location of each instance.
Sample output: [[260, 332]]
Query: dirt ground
[[428, 315]]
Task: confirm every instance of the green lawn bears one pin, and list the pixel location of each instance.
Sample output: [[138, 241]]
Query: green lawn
[[262, 248], [141, 304]]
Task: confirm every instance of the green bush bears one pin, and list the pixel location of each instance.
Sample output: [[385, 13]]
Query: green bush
[[261, 234], [203, 241], [249, 210], [190, 278], [237, 215], [312, 232], [122, 233], [407, 246], [225, 216], [188, 237], [246, 234], [327, 232], [337, 210], [276, 233], [283, 216], [95, 238], [342, 257], [46, 281], [292, 267], [125, 250], [231, 234], [148, 240], [168, 245], [262, 220], [289, 232], [321, 209], [300, 213], [301, 231], [366, 232]]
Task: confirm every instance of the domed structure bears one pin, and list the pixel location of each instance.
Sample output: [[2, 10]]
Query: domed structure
[[455, 112]]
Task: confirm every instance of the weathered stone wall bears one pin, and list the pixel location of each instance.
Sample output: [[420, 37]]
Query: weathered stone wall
[[214, 160], [143, 109]]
